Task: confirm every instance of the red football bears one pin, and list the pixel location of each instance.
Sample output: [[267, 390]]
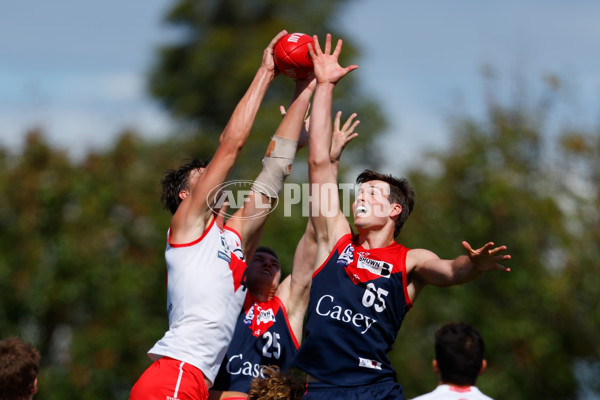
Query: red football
[[291, 55]]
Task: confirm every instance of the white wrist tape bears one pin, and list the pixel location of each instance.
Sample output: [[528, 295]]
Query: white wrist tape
[[277, 165]]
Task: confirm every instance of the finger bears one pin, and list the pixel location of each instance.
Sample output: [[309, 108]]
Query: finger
[[282, 111], [328, 44], [487, 247], [317, 47], [502, 267], [338, 48], [351, 68], [276, 39], [349, 138], [349, 121], [498, 249], [336, 122], [354, 125], [467, 247]]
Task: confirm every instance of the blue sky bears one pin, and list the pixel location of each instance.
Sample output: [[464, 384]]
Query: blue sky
[[78, 68]]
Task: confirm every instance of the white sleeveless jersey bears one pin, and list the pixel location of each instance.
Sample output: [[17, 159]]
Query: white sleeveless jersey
[[450, 392], [205, 293]]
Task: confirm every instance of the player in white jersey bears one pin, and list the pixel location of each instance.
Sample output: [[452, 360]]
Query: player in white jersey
[[459, 360], [205, 260]]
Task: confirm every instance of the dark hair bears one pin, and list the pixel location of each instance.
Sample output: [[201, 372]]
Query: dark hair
[[268, 250], [19, 367], [459, 352], [176, 180], [277, 385], [400, 193]]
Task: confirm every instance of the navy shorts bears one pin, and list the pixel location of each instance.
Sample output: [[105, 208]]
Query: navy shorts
[[389, 390]]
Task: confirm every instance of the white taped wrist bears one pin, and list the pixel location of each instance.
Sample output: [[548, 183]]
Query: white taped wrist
[[277, 165]]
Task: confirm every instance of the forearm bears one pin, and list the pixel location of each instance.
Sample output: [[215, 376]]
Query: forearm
[[462, 270], [293, 121], [240, 124], [320, 127]]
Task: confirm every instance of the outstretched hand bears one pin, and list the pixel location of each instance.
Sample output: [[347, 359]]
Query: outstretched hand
[[488, 257], [326, 67], [341, 136]]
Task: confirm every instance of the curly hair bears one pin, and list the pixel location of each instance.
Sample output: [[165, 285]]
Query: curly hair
[[176, 180], [19, 367], [277, 385]]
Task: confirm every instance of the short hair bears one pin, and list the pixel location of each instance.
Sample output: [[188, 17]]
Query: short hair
[[19, 367], [267, 250], [277, 385], [176, 180], [459, 351], [401, 192]]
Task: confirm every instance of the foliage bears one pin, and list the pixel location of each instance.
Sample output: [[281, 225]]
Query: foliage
[[496, 183], [201, 76]]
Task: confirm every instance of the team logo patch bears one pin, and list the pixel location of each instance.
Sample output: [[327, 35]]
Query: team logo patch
[[347, 256], [375, 267], [249, 316], [265, 316], [366, 363], [259, 319], [223, 251]]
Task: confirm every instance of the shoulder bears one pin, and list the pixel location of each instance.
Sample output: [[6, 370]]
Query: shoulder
[[417, 257], [426, 396]]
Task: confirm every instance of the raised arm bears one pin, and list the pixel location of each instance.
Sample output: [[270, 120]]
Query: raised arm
[[426, 268], [277, 163], [327, 218], [194, 212], [295, 289]]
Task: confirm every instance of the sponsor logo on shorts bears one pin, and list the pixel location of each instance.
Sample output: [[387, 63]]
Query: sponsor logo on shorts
[[366, 363]]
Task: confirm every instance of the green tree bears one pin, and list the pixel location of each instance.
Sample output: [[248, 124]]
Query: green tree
[[498, 182], [201, 76], [81, 244]]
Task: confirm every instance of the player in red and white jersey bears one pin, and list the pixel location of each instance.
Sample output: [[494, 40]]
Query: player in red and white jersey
[[459, 360], [205, 260]]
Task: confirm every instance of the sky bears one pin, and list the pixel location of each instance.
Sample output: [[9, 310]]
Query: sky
[[78, 69]]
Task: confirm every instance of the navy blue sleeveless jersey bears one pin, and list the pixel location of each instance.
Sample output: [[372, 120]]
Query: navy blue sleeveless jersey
[[262, 337], [358, 300]]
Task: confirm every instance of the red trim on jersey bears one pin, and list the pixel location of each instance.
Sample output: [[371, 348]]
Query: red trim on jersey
[[459, 389], [405, 280], [336, 247], [191, 243], [287, 321], [234, 231]]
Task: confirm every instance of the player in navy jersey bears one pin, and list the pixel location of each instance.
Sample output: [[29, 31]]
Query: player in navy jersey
[[206, 269], [269, 328], [364, 283]]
